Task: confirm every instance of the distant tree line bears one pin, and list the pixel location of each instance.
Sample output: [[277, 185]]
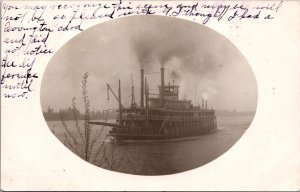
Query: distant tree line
[[233, 113], [69, 114]]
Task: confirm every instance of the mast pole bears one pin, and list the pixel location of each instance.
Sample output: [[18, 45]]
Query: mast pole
[[195, 96], [120, 105]]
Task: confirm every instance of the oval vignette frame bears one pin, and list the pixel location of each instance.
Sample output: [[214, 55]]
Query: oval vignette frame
[[212, 76]]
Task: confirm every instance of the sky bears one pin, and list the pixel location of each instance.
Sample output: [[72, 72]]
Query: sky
[[201, 61]]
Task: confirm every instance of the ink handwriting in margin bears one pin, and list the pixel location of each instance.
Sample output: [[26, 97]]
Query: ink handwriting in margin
[[28, 29]]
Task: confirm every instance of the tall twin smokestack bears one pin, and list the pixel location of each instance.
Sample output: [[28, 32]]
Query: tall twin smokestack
[[162, 72], [142, 87]]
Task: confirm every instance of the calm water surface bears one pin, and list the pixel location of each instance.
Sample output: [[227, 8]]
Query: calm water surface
[[158, 158]]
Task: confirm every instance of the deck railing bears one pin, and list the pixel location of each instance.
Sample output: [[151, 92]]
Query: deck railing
[[158, 117]]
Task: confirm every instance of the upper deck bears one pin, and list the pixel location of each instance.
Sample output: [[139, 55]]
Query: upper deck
[[165, 114], [166, 105]]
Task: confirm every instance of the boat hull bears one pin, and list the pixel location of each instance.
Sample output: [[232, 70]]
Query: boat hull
[[151, 137]]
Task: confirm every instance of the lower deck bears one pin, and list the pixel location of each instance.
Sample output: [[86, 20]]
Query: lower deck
[[153, 128]]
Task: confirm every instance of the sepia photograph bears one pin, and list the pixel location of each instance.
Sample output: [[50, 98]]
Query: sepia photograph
[[148, 95]]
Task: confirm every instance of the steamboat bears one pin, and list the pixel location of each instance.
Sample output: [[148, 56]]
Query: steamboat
[[162, 117]]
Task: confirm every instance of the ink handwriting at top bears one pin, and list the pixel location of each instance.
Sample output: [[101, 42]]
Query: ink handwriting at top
[[28, 28]]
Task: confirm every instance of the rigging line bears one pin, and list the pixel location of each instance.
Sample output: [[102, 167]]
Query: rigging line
[[149, 73]]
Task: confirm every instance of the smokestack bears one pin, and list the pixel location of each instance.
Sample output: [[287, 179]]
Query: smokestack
[[206, 104], [162, 71], [142, 87]]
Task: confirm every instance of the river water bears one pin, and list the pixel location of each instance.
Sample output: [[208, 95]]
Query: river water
[[154, 158]]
